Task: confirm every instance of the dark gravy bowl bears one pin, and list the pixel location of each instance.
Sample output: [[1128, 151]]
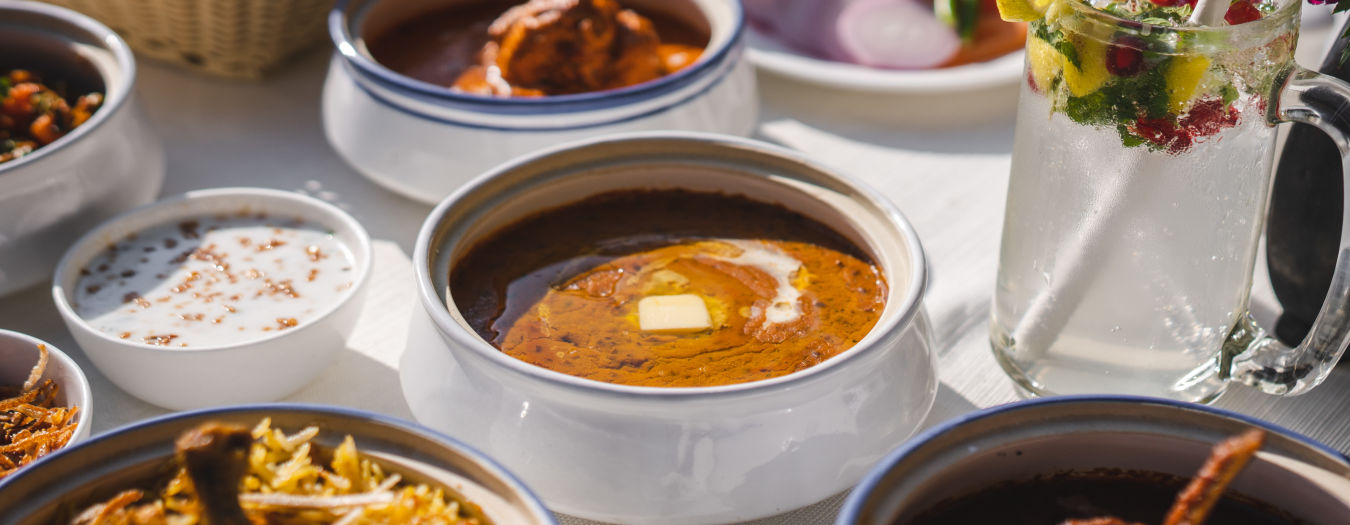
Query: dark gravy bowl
[[1117, 437]]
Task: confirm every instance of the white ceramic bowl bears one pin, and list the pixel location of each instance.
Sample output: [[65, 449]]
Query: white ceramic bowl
[[110, 164], [424, 141], [629, 454], [18, 354], [134, 457], [263, 369], [1082, 433]]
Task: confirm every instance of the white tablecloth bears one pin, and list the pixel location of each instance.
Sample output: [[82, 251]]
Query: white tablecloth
[[943, 159]]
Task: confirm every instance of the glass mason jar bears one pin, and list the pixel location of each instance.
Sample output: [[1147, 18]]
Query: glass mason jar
[[1139, 182]]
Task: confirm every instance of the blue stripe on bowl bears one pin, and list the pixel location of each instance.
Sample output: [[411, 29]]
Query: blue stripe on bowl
[[721, 77], [386, 78]]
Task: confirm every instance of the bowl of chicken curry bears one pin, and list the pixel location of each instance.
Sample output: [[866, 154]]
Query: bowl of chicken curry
[[422, 96]]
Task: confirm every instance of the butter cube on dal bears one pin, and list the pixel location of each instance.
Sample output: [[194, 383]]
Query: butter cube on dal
[[673, 313]]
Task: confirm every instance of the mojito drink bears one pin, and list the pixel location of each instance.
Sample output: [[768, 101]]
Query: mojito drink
[[1139, 178]]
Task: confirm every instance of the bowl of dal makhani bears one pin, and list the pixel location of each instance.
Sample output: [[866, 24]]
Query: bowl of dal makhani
[[672, 327]]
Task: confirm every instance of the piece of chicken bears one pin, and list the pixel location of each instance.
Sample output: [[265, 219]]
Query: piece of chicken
[[559, 46], [571, 46], [637, 56], [216, 458]]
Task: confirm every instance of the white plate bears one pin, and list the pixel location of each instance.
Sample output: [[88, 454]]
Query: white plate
[[771, 55]]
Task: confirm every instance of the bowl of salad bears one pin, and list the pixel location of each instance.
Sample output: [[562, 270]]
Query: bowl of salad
[[894, 46], [74, 148]]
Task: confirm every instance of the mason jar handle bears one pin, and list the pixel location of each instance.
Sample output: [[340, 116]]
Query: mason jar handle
[[1253, 357]]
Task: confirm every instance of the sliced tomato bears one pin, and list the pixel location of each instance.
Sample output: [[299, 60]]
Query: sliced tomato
[[993, 38]]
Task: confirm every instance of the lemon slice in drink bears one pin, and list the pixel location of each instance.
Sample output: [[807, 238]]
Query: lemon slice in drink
[[1023, 10], [1183, 75], [1045, 62], [1090, 74]]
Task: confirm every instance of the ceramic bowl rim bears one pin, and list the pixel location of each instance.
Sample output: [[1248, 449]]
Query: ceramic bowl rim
[[344, 42], [86, 401], [853, 505], [531, 500], [439, 313], [362, 253], [114, 44]]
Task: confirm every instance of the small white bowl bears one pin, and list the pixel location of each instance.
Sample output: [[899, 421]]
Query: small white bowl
[[267, 368], [424, 141], [18, 355], [114, 162]]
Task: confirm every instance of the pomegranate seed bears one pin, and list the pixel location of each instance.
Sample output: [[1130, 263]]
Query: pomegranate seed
[[1158, 131], [1208, 117], [1164, 134], [1240, 12], [1125, 58], [1031, 83]]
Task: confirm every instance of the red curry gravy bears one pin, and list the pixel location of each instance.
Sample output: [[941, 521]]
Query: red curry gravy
[[541, 47], [561, 289]]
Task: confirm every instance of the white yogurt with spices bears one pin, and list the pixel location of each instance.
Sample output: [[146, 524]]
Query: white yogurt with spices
[[214, 280]]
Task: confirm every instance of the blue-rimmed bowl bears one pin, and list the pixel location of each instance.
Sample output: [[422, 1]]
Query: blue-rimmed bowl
[[1083, 433], [424, 141], [135, 455]]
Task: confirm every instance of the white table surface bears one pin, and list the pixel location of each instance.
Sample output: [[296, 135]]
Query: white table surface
[[943, 160]]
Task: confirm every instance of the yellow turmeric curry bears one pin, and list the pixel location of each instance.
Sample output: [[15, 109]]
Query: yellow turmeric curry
[[669, 288]]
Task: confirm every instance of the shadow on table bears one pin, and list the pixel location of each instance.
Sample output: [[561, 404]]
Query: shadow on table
[[949, 404], [359, 381], [968, 122]]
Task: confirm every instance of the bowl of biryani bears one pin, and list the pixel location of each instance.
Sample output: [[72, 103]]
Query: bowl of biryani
[[45, 401], [74, 147], [276, 463]]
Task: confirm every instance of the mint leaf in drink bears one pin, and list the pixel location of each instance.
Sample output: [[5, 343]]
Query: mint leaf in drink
[[1055, 38], [1091, 110], [1128, 138]]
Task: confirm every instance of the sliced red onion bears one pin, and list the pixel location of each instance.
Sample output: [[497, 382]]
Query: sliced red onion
[[805, 25], [764, 13], [897, 34]]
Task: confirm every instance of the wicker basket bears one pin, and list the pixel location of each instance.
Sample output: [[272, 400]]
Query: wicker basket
[[229, 38]]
